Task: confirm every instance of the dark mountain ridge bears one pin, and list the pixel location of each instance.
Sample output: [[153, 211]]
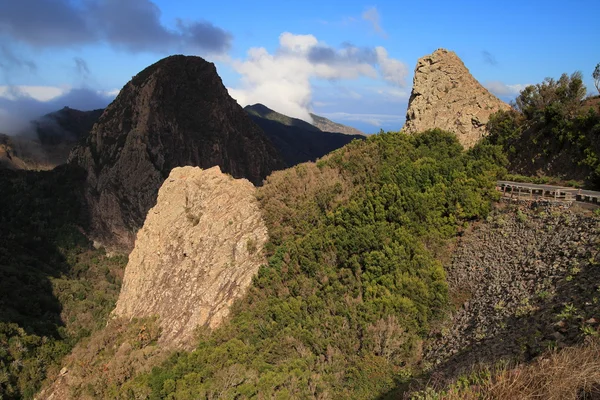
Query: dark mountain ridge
[[66, 125], [174, 113], [297, 140]]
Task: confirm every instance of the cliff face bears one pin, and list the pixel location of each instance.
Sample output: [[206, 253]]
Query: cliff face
[[174, 113], [197, 252], [445, 95]]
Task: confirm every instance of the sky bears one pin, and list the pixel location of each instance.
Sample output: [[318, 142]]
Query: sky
[[350, 61]]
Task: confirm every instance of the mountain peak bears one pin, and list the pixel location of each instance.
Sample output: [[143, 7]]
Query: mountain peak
[[176, 112], [445, 95]]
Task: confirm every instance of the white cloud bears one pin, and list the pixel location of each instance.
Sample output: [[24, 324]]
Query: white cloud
[[282, 80], [297, 43], [393, 71], [393, 94], [372, 15], [503, 90], [110, 93], [41, 93]]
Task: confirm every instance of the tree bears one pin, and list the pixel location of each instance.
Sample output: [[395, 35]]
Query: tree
[[564, 94], [596, 76]]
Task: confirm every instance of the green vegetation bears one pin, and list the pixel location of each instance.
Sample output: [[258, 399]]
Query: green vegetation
[[596, 76], [352, 283], [54, 288], [553, 130]]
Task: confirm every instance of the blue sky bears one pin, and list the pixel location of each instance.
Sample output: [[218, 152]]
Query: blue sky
[[348, 60]]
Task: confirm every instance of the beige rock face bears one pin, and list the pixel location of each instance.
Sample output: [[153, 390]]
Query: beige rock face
[[197, 252], [445, 95]]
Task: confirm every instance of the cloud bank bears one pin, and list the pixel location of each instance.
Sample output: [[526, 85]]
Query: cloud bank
[[282, 80], [132, 25]]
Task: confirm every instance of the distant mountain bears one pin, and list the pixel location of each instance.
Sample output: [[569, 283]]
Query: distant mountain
[[174, 113], [65, 126], [297, 140], [263, 111], [327, 125], [48, 141]]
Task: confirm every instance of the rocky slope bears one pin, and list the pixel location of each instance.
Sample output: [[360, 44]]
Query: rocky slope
[[530, 277], [10, 156], [197, 252], [445, 95], [296, 140], [174, 113]]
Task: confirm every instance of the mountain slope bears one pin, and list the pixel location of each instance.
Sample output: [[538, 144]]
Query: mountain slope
[[174, 113], [351, 285], [328, 125], [297, 140], [262, 111]]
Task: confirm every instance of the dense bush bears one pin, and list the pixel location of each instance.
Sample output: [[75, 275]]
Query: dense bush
[[352, 282], [552, 130]]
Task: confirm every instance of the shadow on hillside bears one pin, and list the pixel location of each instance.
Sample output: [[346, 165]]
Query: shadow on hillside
[[38, 215], [26, 295], [558, 322], [297, 144]]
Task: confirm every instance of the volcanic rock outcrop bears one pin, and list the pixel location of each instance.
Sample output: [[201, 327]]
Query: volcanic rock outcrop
[[445, 95], [197, 252], [174, 113]]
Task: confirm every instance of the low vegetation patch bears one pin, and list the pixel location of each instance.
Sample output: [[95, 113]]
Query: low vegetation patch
[[572, 373]]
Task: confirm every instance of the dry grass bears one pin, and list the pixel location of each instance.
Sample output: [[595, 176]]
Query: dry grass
[[99, 365], [570, 374]]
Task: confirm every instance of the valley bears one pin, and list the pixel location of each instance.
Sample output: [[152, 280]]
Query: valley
[[189, 248]]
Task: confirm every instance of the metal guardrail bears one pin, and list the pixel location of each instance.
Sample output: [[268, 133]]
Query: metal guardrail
[[532, 191]]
